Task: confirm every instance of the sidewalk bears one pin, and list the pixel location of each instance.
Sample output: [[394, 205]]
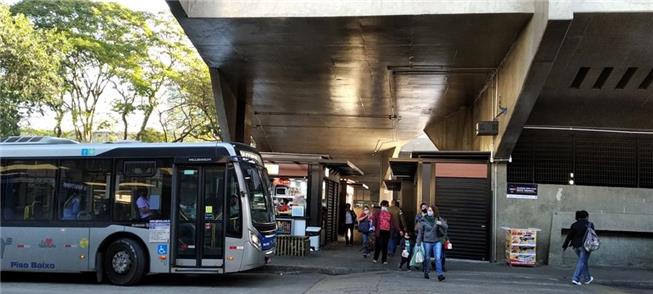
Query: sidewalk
[[336, 259]]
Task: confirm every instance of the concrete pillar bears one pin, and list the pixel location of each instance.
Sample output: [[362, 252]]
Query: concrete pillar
[[316, 175], [233, 111]]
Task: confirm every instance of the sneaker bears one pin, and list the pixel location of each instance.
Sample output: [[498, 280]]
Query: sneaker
[[385, 262], [590, 280], [426, 276], [577, 283], [441, 278], [364, 255], [374, 260]]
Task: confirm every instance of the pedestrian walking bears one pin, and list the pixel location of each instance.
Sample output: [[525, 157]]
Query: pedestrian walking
[[350, 222], [364, 226], [407, 247], [576, 237], [396, 234], [421, 213], [383, 224], [432, 231]]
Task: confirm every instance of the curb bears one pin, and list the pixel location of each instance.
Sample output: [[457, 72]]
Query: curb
[[333, 271]]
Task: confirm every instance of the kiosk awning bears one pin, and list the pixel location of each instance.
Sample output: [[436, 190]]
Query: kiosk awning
[[404, 168], [344, 168]]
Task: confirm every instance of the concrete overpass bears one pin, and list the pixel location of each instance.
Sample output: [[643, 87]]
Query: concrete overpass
[[356, 78], [359, 79]]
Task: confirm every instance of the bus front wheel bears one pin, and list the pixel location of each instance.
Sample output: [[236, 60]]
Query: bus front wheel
[[124, 262]]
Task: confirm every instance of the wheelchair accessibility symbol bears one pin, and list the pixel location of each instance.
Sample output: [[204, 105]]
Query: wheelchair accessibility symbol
[[162, 249]]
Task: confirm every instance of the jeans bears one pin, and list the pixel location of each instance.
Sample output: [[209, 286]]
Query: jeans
[[349, 234], [437, 249], [366, 240], [582, 268], [392, 244], [382, 246]]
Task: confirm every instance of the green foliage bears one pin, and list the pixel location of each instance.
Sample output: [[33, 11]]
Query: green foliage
[[28, 69], [71, 51]]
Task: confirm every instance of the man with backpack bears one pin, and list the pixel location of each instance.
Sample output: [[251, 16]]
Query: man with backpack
[[584, 240]]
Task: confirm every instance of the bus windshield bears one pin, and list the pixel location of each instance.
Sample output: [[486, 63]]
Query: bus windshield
[[258, 194]]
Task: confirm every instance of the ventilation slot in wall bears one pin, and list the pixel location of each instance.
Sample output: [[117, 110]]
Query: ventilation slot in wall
[[626, 77], [605, 73], [580, 76], [647, 80]]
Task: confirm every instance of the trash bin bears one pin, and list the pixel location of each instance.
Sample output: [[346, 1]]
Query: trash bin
[[313, 234]]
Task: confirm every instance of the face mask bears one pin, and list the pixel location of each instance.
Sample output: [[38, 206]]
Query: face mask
[[407, 237], [424, 210], [384, 208], [366, 211], [430, 213]]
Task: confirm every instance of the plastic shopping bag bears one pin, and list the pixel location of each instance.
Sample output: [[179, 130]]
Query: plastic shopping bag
[[418, 256]]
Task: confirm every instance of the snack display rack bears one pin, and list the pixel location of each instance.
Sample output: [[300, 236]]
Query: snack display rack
[[521, 246]]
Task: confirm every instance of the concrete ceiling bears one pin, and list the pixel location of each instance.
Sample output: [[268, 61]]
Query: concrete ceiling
[[606, 45], [352, 86]]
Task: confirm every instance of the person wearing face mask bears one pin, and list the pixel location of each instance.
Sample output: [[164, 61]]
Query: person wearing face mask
[[383, 224], [431, 234], [364, 226], [421, 213]]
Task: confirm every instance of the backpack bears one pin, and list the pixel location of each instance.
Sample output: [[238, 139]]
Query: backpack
[[385, 219], [591, 241], [364, 226]]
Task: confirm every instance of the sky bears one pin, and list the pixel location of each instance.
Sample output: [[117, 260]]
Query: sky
[[47, 121]]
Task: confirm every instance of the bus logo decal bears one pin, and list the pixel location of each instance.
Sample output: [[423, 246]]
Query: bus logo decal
[[47, 243], [88, 151], [83, 243]]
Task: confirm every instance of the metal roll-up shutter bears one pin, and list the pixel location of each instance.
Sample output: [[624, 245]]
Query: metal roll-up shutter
[[465, 204], [331, 194]]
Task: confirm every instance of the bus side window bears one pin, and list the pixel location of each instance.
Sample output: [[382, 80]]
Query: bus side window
[[142, 190], [234, 211], [27, 190], [83, 190]]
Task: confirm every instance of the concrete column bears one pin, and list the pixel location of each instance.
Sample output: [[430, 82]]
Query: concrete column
[[316, 175], [233, 111]]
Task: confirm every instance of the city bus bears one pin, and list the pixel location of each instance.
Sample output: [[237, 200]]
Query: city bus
[[124, 210]]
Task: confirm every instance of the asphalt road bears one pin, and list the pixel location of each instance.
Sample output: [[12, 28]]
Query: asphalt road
[[286, 283]]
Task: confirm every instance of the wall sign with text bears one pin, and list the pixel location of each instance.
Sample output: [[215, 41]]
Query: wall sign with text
[[522, 191]]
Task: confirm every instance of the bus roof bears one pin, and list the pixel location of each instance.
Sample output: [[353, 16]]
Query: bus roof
[[138, 149]]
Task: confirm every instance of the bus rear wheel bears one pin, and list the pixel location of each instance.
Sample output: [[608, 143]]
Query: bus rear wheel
[[124, 262]]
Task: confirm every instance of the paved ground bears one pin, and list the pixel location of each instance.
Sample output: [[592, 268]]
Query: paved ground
[[343, 270], [264, 282]]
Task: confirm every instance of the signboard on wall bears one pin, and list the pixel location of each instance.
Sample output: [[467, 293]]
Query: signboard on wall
[[522, 191]]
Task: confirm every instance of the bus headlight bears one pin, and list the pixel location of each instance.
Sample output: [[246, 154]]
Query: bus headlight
[[254, 239]]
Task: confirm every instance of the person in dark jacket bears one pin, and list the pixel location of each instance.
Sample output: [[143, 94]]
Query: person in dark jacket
[[576, 237], [350, 223], [432, 231], [406, 246]]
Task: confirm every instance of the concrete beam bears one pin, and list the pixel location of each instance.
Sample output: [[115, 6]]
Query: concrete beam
[[234, 114], [511, 93], [345, 8]]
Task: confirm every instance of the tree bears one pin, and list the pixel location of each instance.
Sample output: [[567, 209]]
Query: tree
[[143, 85], [192, 113], [104, 38], [28, 69]]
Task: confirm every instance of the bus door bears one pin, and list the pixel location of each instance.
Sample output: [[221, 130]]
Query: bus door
[[199, 220]]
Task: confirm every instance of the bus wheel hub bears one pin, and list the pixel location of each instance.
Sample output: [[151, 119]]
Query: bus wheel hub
[[121, 262]]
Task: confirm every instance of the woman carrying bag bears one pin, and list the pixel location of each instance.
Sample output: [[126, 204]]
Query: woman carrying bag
[[431, 235]]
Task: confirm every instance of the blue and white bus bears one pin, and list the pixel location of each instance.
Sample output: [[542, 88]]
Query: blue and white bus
[[124, 210]]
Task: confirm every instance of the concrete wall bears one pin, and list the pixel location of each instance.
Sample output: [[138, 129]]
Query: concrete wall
[[623, 217]]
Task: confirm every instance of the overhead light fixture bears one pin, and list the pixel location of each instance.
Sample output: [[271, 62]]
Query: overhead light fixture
[[571, 179]]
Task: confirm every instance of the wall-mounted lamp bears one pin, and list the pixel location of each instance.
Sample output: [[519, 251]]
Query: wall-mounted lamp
[[571, 178]]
